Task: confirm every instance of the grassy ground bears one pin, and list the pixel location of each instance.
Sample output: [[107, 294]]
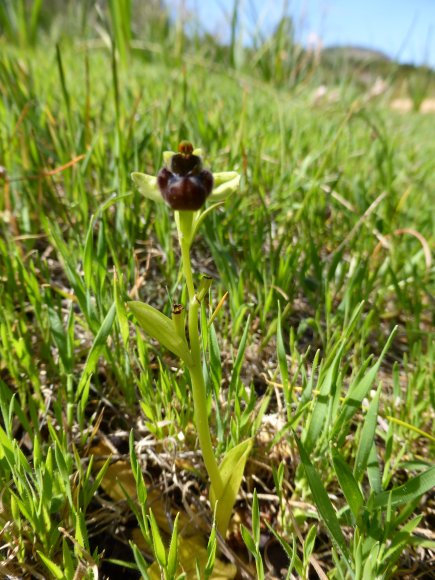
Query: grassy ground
[[326, 257]]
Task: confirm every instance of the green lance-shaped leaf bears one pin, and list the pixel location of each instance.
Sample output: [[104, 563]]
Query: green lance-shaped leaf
[[160, 327], [231, 470]]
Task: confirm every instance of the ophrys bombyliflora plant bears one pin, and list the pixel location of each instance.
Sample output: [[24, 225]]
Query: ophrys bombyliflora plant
[[185, 185]]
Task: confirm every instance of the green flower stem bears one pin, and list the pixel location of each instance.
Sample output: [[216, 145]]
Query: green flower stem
[[184, 224], [184, 227], [201, 422]]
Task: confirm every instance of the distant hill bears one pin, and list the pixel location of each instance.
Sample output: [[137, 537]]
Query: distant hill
[[354, 53]]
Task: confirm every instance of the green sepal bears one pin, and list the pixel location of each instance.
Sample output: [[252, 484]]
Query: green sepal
[[167, 156], [147, 185], [224, 184], [160, 327], [231, 470]]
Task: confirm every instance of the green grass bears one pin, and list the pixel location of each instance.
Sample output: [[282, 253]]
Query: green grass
[[324, 253]]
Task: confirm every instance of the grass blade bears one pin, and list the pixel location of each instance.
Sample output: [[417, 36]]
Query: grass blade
[[357, 392], [96, 349], [348, 484], [324, 505], [367, 437], [321, 404], [408, 492]]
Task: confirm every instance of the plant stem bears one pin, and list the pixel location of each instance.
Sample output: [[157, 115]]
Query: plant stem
[[184, 227], [201, 422], [184, 223]]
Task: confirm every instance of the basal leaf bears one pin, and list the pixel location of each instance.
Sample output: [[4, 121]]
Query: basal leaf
[[231, 470]]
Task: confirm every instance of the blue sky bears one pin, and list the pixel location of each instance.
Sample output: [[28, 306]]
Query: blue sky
[[402, 29]]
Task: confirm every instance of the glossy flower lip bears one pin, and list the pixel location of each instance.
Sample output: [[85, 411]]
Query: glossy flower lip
[[186, 192], [211, 186], [183, 182]]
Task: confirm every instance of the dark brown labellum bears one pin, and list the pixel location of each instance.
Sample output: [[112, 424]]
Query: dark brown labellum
[[185, 192], [185, 185]]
